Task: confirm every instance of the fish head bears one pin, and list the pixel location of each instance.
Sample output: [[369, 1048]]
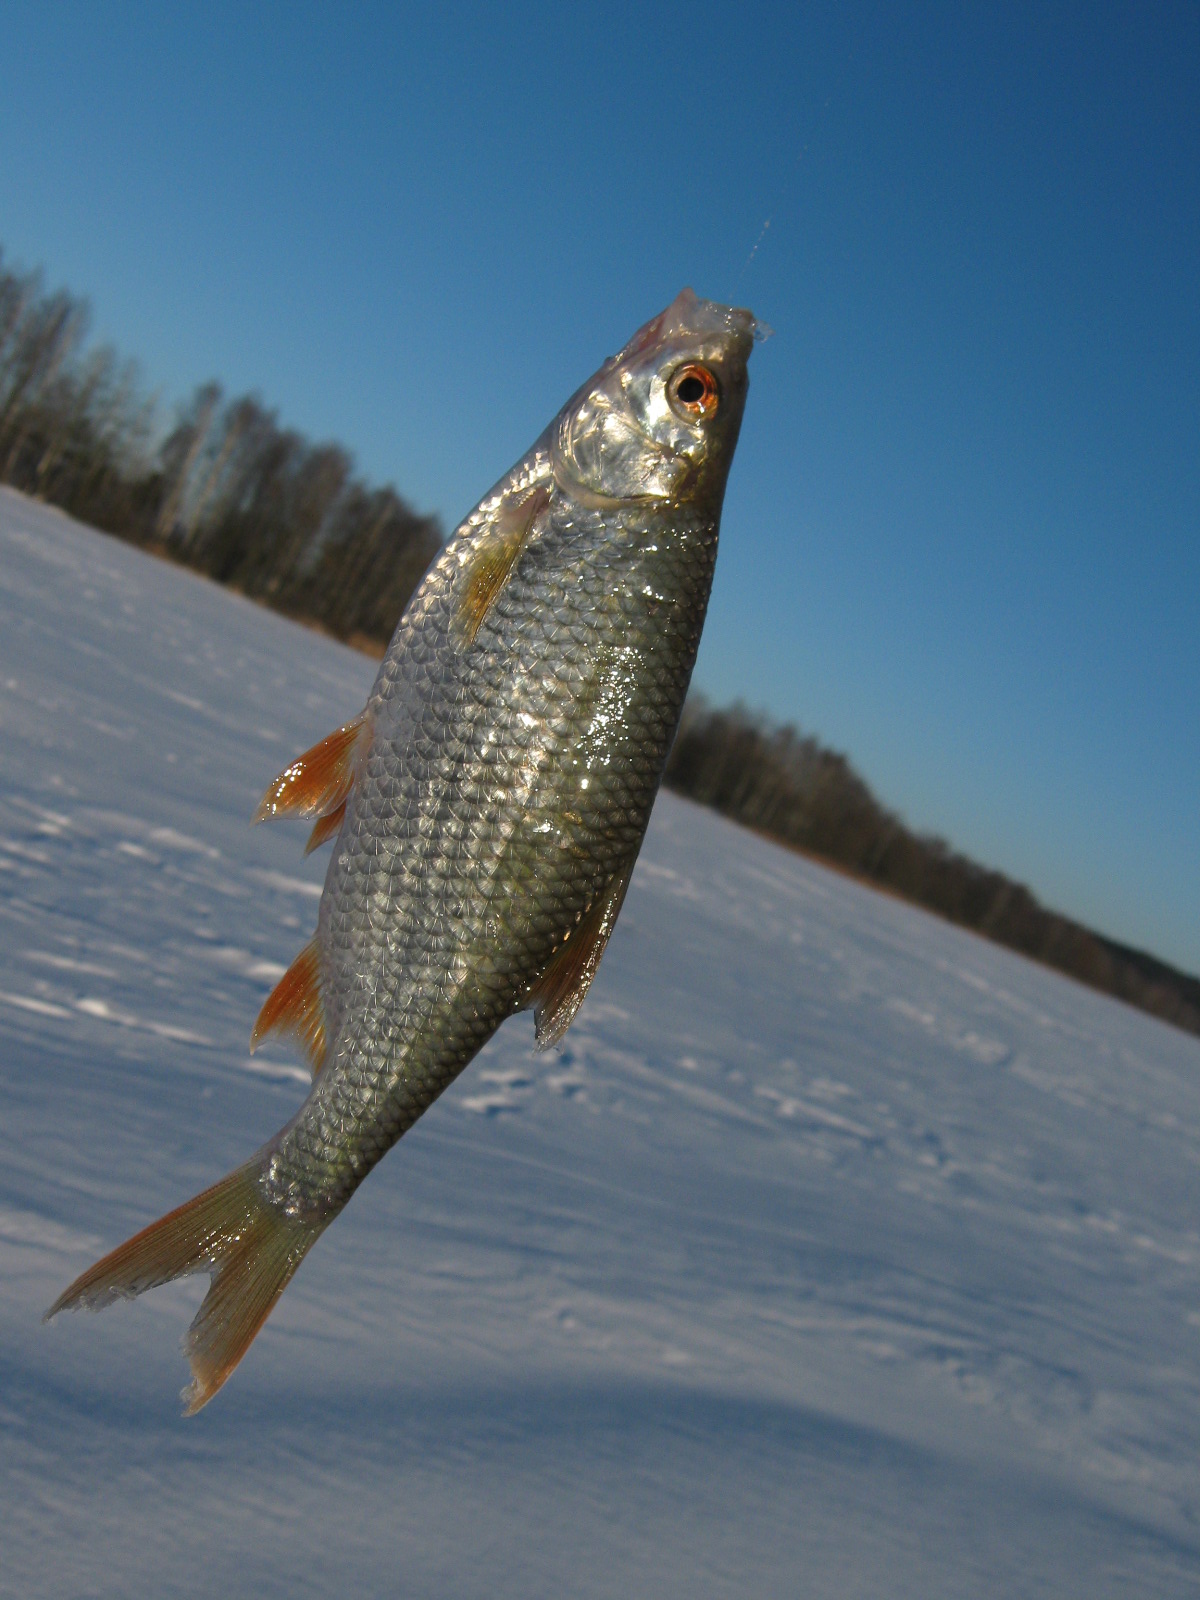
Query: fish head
[[660, 419]]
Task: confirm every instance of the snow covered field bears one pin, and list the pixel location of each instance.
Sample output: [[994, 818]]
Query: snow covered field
[[837, 1253]]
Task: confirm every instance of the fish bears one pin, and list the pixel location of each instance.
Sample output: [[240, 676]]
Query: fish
[[487, 805]]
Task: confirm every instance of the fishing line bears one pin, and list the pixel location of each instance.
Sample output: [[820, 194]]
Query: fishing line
[[790, 174]]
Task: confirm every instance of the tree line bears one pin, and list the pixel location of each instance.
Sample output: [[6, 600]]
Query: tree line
[[225, 488], [792, 788], [228, 490]]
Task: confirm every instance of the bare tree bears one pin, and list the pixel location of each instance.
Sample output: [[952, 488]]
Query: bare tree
[[180, 452], [47, 335]]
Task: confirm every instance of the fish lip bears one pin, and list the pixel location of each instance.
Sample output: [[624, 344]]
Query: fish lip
[[691, 317]]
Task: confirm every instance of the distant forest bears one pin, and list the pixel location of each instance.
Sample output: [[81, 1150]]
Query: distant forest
[[791, 788], [228, 490]]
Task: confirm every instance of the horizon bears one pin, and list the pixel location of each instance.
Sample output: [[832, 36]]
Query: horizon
[[960, 539]]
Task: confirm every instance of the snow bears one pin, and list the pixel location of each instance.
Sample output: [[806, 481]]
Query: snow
[[836, 1253]]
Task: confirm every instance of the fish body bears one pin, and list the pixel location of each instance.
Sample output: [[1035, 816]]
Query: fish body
[[488, 804]]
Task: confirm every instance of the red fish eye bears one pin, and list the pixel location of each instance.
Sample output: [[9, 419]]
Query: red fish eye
[[695, 391]]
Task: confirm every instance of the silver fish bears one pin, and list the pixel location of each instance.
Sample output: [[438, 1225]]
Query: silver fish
[[488, 804]]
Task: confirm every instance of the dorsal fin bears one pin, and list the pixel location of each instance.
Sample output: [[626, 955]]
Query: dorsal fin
[[318, 782], [489, 567], [294, 1007], [558, 993]]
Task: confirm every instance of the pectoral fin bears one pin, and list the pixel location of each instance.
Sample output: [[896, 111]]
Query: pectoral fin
[[489, 567], [558, 993], [318, 782]]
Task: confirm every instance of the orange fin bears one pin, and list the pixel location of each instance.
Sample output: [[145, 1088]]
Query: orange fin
[[558, 993], [294, 1008], [317, 782], [489, 568], [249, 1246], [325, 828]]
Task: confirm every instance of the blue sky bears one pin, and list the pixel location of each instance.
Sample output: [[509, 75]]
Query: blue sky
[[962, 539]]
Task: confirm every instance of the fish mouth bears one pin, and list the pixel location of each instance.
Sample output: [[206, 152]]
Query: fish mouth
[[690, 319]]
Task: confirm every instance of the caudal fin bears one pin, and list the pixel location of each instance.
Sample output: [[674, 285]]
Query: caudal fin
[[250, 1247]]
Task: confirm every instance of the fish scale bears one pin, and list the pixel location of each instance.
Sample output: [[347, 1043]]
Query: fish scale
[[439, 785], [487, 806]]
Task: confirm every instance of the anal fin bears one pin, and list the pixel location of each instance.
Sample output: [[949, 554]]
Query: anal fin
[[318, 783], [294, 1008], [558, 993]]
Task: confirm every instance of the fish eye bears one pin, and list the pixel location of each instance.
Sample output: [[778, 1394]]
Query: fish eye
[[694, 392]]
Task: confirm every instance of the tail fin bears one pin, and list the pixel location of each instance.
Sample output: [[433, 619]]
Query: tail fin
[[250, 1247]]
